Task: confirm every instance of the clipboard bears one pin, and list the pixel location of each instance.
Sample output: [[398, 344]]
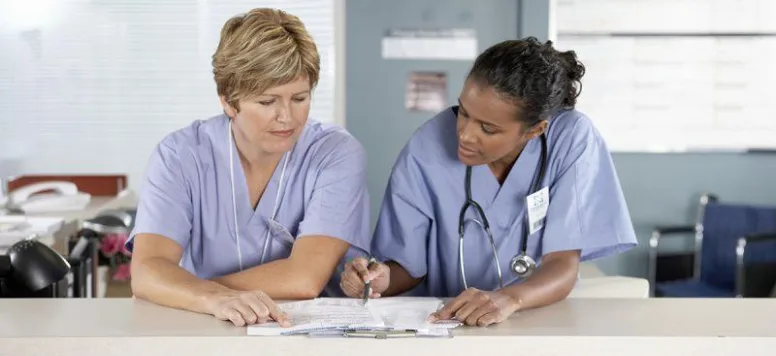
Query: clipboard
[[395, 317], [380, 334]]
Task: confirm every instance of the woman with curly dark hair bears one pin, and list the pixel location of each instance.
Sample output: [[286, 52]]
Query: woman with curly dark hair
[[514, 179]]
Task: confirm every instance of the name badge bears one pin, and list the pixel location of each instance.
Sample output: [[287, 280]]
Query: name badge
[[537, 204]]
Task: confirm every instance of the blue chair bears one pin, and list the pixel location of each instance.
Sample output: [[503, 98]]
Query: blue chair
[[735, 253]]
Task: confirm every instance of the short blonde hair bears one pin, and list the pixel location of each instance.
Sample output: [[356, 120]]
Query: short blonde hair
[[262, 49]]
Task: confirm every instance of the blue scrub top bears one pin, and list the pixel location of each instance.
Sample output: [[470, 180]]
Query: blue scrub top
[[187, 197], [418, 222]]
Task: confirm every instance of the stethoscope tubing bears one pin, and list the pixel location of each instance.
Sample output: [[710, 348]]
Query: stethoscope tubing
[[485, 224]]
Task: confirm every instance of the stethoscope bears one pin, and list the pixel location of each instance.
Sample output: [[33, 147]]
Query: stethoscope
[[522, 264], [234, 200]]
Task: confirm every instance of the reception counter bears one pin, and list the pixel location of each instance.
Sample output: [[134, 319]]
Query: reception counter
[[576, 326]]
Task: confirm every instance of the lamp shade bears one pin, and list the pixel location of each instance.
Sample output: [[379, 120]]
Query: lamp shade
[[36, 265], [111, 222]]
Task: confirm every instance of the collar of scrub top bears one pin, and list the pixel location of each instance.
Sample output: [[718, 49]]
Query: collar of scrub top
[[521, 264], [281, 187]]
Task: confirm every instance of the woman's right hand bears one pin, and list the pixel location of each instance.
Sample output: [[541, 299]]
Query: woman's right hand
[[245, 308], [356, 274]]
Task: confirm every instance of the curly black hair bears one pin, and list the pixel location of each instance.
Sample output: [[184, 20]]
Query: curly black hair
[[539, 79]]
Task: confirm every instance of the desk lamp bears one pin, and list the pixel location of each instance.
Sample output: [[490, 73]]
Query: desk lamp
[[85, 245], [29, 267]]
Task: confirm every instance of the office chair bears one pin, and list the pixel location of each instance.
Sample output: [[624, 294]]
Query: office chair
[[734, 256]]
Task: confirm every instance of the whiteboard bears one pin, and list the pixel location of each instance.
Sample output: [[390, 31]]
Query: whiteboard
[[675, 75], [90, 87]]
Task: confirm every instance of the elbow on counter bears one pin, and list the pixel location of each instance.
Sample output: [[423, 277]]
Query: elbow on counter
[[139, 270]]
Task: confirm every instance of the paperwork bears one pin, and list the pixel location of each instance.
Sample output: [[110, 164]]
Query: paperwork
[[409, 312], [320, 315], [14, 228], [332, 315]]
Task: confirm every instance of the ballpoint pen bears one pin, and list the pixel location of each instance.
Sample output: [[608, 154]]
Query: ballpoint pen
[[368, 284]]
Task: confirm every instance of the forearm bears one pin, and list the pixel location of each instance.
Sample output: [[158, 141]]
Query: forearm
[[550, 283], [284, 279], [401, 280], [163, 282]]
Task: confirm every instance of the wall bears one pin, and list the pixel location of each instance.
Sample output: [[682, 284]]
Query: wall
[[659, 188], [78, 101], [664, 189], [375, 87]]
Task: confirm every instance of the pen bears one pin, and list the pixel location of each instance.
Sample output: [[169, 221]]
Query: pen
[[368, 285]]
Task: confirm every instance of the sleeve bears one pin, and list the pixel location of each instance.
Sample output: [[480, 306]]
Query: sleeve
[[339, 205], [164, 204], [587, 209], [403, 226]]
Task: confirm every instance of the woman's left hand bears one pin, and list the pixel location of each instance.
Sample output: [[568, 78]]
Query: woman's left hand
[[476, 307]]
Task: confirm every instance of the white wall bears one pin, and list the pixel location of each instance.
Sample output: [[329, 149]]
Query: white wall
[[92, 86]]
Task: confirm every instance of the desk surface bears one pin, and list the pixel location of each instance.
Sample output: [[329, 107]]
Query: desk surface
[[572, 317], [73, 219], [96, 205], [586, 326]]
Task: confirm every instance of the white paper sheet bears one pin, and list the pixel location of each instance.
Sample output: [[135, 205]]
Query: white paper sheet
[[330, 314], [321, 314], [14, 228], [410, 313]]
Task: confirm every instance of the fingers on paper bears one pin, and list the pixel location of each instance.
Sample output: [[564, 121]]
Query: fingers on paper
[[273, 311], [247, 316], [477, 305], [260, 311], [232, 313], [449, 310], [475, 318]]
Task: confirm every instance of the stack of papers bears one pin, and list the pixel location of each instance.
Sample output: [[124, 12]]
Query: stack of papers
[[411, 313], [14, 228], [331, 315], [321, 315]]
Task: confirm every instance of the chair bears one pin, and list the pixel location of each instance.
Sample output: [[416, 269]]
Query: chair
[[734, 256]]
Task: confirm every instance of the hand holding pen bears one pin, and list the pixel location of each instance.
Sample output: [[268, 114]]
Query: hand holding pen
[[365, 278]]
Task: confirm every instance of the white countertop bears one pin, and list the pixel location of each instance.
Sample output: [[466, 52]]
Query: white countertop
[[594, 326], [96, 205], [129, 317]]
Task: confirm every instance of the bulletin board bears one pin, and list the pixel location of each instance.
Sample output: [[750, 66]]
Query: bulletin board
[[675, 75]]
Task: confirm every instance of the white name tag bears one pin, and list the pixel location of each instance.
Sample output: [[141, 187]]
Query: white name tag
[[537, 204]]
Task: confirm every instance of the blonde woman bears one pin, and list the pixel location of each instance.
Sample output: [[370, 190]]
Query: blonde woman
[[259, 203]]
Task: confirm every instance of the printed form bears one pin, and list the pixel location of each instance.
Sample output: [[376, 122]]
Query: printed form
[[320, 315], [327, 314]]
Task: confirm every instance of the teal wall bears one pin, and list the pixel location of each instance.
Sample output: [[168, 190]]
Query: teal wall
[[375, 87]]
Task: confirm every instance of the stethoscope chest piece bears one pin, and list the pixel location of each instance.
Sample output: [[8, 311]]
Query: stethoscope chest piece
[[523, 265]]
